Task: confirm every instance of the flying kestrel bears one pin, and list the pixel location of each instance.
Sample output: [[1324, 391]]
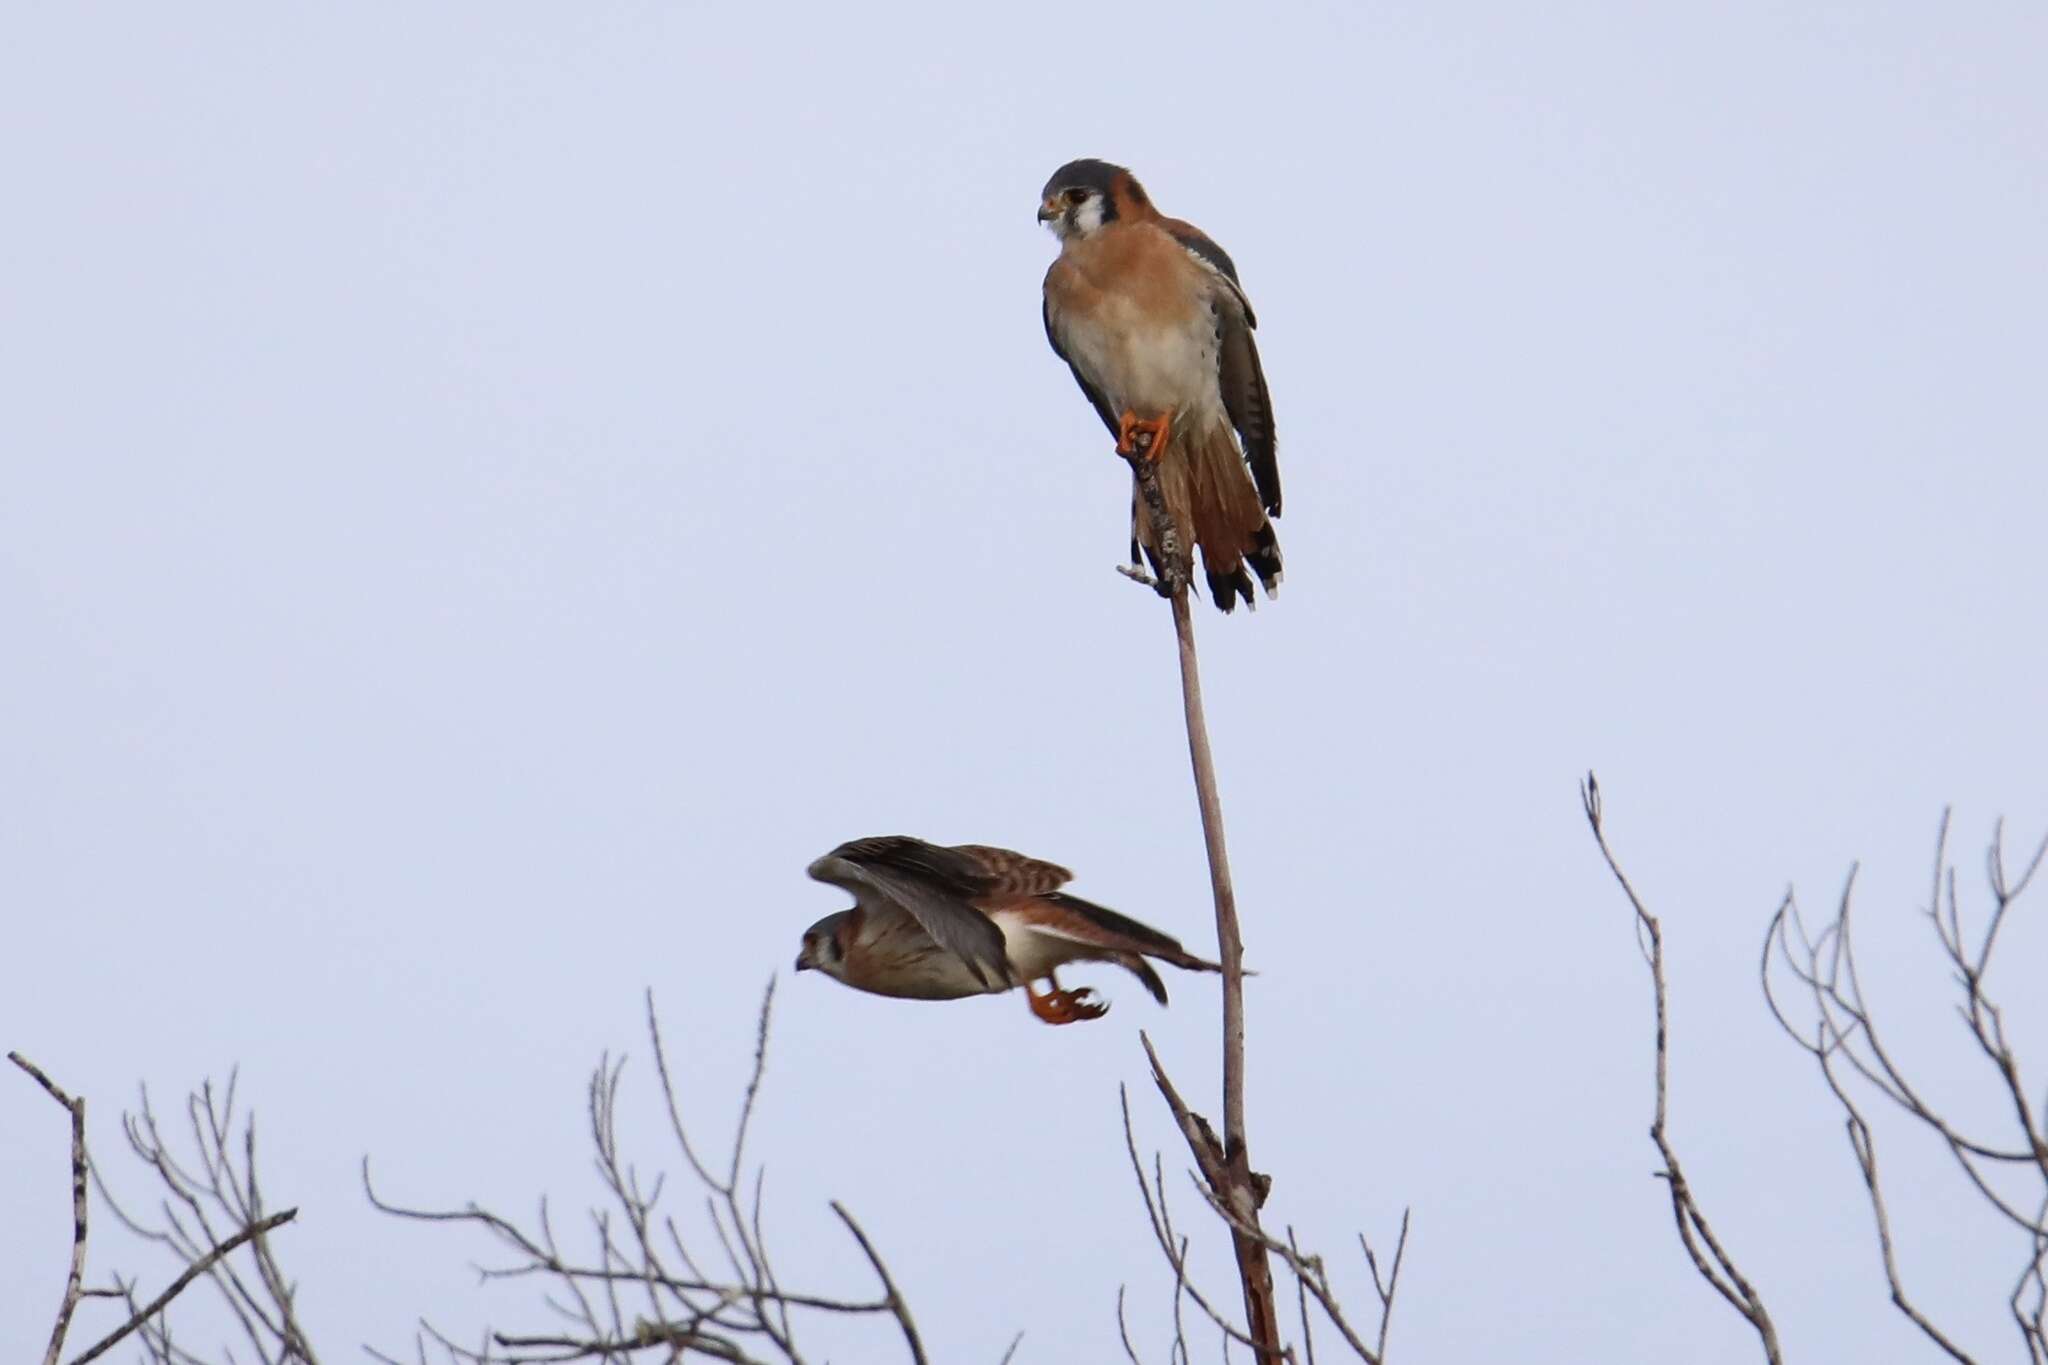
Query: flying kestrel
[[938, 923], [1149, 315]]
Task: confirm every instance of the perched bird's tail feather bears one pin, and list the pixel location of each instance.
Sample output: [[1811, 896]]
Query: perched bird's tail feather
[[1211, 496]]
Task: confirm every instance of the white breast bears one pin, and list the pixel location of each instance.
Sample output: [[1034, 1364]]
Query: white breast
[[1147, 365]]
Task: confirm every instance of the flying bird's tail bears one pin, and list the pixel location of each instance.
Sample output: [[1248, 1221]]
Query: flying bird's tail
[[1125, 941], [1210, 493]]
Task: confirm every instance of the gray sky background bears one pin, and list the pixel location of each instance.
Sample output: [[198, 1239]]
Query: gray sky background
[[489, 491]]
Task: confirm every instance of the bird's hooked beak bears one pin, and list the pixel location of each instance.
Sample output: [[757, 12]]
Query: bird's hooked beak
[[804, 963], [1049, 211]]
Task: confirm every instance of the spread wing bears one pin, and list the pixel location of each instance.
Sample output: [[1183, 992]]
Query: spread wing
[[1242, 378], [932, 885], [1013, 874], [1095, 395]]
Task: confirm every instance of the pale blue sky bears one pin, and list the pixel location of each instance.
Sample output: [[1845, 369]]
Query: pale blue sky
[[488, 491]]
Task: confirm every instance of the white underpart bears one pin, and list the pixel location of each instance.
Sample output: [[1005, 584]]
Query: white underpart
[[1034, 952], [1147, 366]]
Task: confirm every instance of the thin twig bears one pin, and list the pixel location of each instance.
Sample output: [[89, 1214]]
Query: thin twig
[[574, 1348], [1308, 1336], [1713, 1262], [74, 1280], [1157, 1212], [1308, 1271], [1844, 1040], [740, 1311], [1123, 1328], [896, 1302], [177, 1286], [1386, 1291], [1865, 1149]]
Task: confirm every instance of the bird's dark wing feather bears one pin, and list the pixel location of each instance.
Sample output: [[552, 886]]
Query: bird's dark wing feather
[[1208, 253], [1095, 395], [1243, 382], [1086, 922], [1242, 379], [1012, 873], [932, 885], [1117, 938]]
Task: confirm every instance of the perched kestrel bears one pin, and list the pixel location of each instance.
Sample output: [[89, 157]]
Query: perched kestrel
[[938, 923], [1149, 315]]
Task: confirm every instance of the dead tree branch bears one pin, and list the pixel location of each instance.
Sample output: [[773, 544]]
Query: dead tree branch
[[1846, 1044], [226, 1196], [1709, 1257], [74, 1280], [1228, 1167], [646, 1284], [204, 1264], [1311, 1275], [897, 1307], [213, 1204]]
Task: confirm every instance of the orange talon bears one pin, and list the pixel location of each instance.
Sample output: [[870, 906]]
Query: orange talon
[[1126, 429], [1155, 433], [1064, 1007]]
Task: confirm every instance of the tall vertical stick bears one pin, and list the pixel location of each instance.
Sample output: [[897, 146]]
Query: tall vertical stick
[[1234, 1185], [1253, 1266]]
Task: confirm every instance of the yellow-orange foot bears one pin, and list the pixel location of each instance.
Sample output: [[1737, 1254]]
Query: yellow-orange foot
[[1137, 436], [1065, 1007]]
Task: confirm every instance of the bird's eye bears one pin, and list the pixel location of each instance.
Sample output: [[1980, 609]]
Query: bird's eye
[[1077, 196]]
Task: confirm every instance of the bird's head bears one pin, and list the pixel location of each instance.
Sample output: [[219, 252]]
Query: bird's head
[[1084, 195], [824, 946]]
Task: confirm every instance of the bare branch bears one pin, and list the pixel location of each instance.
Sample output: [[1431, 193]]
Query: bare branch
[[897, 1306], [213, 1204], [1393, 1281], [1308, 1272], [1861, 1143], [1308, 1336], [74, 1279], [177, 1286], [642, 1286], [1844, 1041], [650, 1335], [223, 1188], [2032, 1319], [1239, 1187], [1123, 1328], [1713, 1261], [1172, 1246], [1311, 1276]]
